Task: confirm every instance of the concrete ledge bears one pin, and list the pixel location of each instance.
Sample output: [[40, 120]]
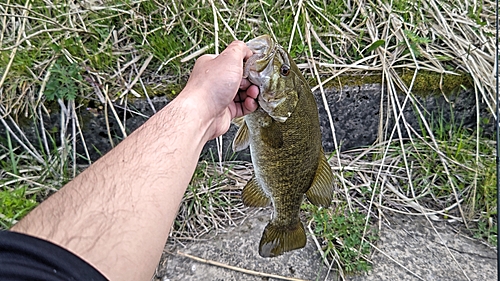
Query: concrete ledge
[[409, 241]]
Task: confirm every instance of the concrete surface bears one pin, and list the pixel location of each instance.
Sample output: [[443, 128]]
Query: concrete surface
[[409, 241], [413, 243], [239, 247]]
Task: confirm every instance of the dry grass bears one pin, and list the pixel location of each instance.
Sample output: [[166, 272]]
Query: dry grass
[[212, 200]]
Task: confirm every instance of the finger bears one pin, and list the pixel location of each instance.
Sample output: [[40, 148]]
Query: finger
[[244, 106], [244, 49], [252, 91], [249, 89], [239, 49], [240, 96], [250, 105], [244, 84], [248, 53]]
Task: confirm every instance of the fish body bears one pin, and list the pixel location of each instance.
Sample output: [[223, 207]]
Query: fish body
[[285, 145]]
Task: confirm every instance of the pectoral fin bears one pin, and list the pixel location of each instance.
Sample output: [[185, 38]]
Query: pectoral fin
[[321, 191], [278, 239], [242, 138], [238, 121], [254, 196]]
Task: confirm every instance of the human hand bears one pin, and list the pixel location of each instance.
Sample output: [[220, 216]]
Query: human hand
[[219, 88]]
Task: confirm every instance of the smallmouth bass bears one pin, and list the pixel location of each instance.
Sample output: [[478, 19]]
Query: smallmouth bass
[[285, 145]]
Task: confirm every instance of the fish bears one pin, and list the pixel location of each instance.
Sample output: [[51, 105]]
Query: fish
[[285, 146]]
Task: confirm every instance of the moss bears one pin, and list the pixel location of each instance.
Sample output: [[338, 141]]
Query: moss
[[429, 83], [426, 82]]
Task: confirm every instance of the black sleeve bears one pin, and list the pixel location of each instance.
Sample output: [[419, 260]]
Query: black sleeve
[[24, 257]]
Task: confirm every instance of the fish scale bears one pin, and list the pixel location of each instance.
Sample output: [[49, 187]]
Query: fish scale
[[285, 145]]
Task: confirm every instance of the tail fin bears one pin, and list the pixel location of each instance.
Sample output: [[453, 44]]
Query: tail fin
[[278, 239]]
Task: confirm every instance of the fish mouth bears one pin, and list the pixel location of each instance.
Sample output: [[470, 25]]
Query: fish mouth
[[263, 46], [260, 71], [269, 103], [258, 67]]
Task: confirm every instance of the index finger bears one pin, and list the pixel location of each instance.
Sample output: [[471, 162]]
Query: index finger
[[238, 48]]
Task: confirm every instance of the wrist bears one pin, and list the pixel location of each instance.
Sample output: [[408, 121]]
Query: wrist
[[191, 118]]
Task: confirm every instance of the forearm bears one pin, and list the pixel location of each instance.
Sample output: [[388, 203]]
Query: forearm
[[116, 215], [130, 194]]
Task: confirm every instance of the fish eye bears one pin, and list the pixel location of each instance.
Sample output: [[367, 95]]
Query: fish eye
[[285, 70]]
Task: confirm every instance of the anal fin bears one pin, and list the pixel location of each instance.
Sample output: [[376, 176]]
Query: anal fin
[[278, 239], [254, 196], [321, 191]]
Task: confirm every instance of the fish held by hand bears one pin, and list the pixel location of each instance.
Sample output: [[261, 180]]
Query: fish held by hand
[[285, 145]]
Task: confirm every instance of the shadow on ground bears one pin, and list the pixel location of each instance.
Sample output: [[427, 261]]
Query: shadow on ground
[[409, 249]]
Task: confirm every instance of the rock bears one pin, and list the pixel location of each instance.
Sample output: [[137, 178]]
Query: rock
[[356, 117], [414, 244]]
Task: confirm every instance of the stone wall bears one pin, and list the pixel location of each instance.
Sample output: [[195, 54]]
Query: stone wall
[[356, 117], [355, 113]]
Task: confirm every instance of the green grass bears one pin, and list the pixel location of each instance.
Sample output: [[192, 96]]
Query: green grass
[[471, 158], [15, 204], [449, 170], [64, 81], [28, 177], [104, 45], [344, 240]]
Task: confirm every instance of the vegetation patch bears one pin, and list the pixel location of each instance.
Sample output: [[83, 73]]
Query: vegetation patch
[[212, 200], [64, 82], [424, 83], [15, 204], [344, 237]]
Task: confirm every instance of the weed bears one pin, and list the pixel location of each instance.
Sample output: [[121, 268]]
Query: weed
[[15, 204], [343, 237], [486, 231], [414, 42], [211, 200], [473, 166], [28, 177], [64, 81]]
